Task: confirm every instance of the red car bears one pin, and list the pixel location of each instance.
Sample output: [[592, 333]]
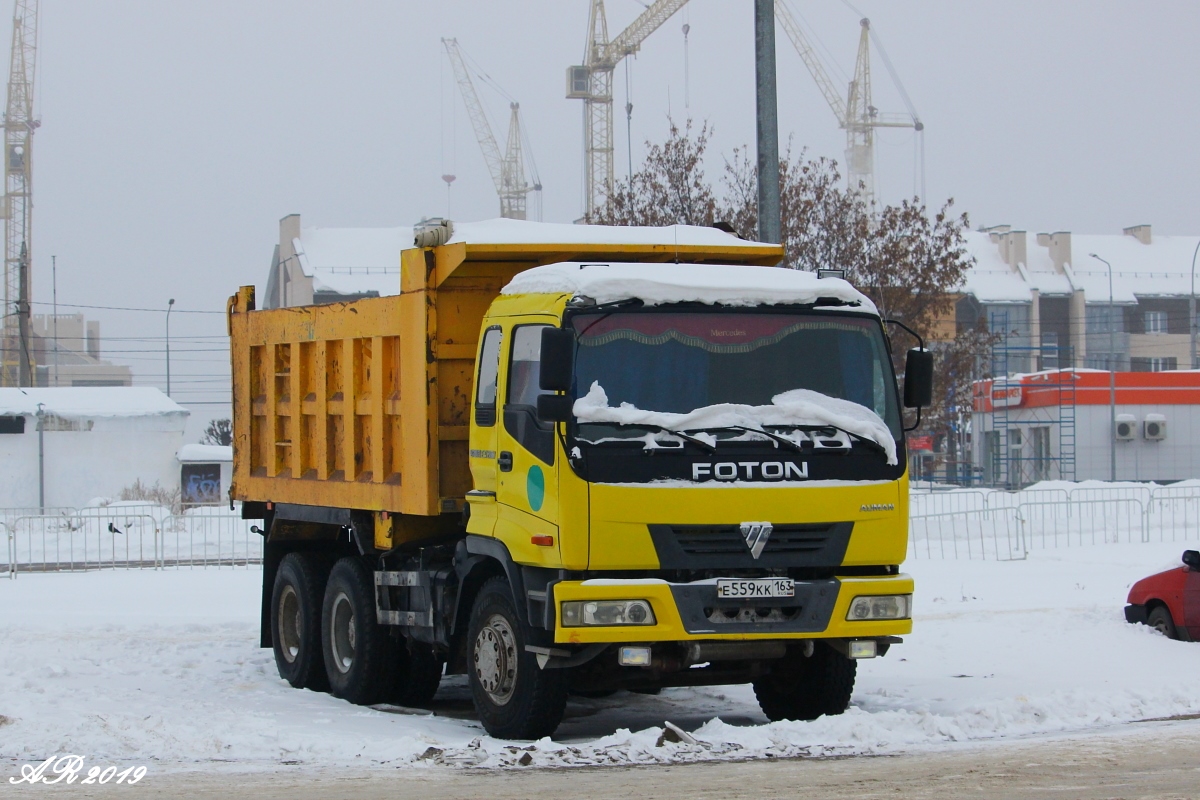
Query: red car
[[1169, 601]]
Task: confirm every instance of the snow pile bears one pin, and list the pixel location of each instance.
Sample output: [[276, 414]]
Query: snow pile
[[162, 668], [511, 231], [655, 284], [797, 407]]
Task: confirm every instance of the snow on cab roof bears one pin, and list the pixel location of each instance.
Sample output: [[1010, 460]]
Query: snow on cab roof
[[512, 231], [655, 284], [91, 401]]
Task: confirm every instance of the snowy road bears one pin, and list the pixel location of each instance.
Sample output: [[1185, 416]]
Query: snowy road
[[1157, 761], [161, 668]]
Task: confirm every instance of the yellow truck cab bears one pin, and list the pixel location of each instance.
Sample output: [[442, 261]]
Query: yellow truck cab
[[574, 458]]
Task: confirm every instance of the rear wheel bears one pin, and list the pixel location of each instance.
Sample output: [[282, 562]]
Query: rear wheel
[[296, 622], [514, 698], [804, 688], [1160, 620], [416, 674], [355, 645]]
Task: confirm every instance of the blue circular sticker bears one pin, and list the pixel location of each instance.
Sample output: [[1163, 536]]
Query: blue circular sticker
[[535, 487]]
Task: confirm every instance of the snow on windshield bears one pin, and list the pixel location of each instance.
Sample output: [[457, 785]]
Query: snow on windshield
[[656, 284], [795, 407]]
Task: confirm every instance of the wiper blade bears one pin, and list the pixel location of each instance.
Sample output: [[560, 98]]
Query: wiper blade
[[783, 440], [855, 437], [687, 437]]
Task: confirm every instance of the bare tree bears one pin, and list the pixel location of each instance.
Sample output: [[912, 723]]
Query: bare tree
[[219, 431], [669, 189]]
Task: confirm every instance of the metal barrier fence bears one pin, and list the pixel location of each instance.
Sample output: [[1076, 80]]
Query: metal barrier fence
[[126, 535], [968, 524]]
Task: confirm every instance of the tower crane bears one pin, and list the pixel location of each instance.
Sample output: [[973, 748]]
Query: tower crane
[[856, 114], [507, 168], [16, 366], [592, 83]]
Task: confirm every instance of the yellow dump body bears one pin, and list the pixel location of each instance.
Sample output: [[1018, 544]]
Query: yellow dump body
[[366, 405]]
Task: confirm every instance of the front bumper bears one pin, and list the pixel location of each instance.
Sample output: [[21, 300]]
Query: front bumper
[[1135, 614], [818, 611]]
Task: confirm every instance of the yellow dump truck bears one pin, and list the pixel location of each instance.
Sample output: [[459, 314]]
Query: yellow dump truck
[[577, 459]]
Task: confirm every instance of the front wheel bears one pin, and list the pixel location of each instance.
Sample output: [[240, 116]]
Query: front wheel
[[1160, 620], [514, 698], [804, 688]]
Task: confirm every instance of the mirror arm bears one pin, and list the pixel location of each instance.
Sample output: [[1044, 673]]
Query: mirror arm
[[916, 335], [916, 424]]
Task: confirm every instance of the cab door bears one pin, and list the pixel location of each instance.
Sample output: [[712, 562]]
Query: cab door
[[527, 459], [484, 424]]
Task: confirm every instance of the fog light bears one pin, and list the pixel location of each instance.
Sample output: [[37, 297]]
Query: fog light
[[576, 613], [888, 606], [634, 657], [861, 649]]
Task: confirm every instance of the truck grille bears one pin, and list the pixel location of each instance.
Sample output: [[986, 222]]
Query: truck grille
[[703, 540], [724, 546]]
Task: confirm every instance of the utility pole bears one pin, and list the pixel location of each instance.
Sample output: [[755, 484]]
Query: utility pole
[[54, 282], [769, 218], [170, 305]]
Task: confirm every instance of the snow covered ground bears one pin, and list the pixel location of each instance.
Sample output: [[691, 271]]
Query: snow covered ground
[[162, 668]]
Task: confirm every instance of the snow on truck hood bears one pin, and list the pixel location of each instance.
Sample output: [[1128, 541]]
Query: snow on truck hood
[[656, 284], [797, 407]]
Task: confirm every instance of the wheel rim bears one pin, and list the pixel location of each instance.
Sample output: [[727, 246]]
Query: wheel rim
[[289, 624], [1160, 625], [343, 633], [496, 659]]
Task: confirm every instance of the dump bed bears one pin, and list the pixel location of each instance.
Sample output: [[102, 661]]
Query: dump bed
[[366, 405]]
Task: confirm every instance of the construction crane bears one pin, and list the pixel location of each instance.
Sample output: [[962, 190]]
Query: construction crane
[[17, 366], [856, 114], [592, 83], [507, 168]]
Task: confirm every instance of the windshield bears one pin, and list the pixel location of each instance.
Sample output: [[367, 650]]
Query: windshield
[[677, 362]]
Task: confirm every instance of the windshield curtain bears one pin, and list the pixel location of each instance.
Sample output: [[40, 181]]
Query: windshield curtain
[[678, 362]]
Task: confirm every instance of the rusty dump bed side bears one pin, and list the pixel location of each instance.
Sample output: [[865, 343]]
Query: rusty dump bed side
[[366, 405]]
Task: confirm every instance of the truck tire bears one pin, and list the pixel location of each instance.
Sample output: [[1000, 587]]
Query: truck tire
[[296, 622], [514, 698], [416, 674], [1160, 620], [355, 645], [800, 688]]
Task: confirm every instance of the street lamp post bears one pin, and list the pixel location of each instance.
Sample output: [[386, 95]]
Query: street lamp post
[[170, 303], [1112, 374], [1192, 311]]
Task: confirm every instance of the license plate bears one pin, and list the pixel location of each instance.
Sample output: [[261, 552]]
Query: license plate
[[761, 587]]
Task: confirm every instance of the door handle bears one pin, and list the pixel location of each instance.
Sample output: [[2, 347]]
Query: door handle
[[505, 461]]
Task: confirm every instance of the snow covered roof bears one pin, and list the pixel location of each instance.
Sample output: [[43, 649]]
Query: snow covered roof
[[98, 401], [1159, 269], [204, 453], [353, 260], [680, 283], [363, 260]]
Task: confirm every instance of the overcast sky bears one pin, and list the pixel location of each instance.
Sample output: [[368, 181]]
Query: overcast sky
[[175, 136]]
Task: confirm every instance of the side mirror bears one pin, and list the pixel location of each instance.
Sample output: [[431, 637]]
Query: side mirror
[[558, 353], [554, 407], [918, 379], [1191, 558]]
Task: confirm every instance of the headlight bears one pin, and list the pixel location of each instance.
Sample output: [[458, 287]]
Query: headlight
[[886, 606], [606, 612]]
